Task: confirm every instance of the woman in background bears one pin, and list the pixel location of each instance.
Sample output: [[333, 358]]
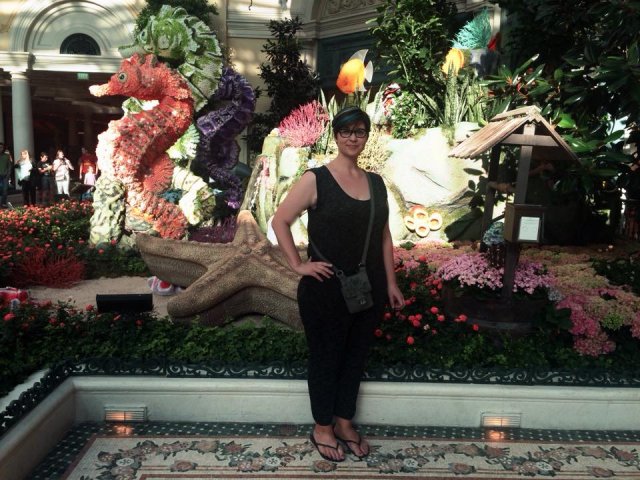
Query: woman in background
[[46, 179], [62, 167], [27, 177]]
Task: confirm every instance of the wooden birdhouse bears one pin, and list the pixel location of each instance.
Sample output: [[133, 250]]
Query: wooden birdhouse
[[538, 141]]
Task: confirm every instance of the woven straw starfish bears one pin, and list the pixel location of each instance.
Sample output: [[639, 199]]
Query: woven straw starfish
[[223, 280]]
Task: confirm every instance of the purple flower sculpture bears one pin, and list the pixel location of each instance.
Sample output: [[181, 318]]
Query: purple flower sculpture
[[217, 152]]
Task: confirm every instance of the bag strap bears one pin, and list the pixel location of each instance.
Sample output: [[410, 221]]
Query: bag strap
[[369, 229], [371, 214]]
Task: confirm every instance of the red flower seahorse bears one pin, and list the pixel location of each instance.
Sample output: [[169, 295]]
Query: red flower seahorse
[[133, 148]]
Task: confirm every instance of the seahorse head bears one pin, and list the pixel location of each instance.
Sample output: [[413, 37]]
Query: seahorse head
[[187, 43], [140, 76]]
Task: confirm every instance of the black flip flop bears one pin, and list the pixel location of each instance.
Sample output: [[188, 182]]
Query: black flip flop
[[346, 443], [317, 444]]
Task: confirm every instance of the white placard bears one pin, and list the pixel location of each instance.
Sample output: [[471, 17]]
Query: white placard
[[529, 228]]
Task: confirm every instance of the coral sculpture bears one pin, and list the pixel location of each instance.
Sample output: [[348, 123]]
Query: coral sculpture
[[188, 44], [218, 150], [133, 149], [304, 125]]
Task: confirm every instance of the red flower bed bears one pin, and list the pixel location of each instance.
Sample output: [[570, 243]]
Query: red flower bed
[[47, 268], [44, 245]]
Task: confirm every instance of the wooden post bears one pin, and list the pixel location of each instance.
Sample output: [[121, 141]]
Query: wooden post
[[524, 165], [490, 195], [513, 248], [510, 262]]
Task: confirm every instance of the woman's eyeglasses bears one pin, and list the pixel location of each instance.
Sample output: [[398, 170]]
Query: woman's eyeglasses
[[359, 132]]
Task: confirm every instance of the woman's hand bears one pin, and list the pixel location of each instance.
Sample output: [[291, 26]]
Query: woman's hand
[[396, 299], [317, 270]]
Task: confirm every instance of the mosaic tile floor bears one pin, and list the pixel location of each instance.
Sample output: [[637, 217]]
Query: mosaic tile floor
[[68, 450]]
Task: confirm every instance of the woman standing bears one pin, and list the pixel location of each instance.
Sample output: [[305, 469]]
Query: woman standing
[[46, 181], [27, 177], [62, 167], [339, 201]]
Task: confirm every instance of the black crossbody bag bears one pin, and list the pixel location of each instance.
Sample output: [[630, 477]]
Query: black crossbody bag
[[356, 288]]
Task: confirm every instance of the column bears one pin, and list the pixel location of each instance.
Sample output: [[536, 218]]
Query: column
[[21, 112]]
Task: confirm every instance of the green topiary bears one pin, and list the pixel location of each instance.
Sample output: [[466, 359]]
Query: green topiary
[[475, 33], [289, 80]]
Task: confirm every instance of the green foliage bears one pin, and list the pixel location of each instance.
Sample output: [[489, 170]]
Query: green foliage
[[591, 136], [474, 34], [548, 28], [414, 36], [37, 336], [583, 71], [34, 336], [409, 115], [112, 261], [464, 99], [198, 8], [289, 80], [621, 271]]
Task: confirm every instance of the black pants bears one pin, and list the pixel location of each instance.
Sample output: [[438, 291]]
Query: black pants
[[338, 346], [28, 192]]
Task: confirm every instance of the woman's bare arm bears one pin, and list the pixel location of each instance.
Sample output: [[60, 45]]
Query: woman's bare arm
[[301, 197]]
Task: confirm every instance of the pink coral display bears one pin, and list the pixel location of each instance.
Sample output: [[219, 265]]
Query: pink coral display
[[304, 125], [133, 148]]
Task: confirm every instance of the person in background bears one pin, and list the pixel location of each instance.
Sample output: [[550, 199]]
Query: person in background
[[6, 163], [89, 176], [45, 168], [338, 198], [88, 161], [27, 177], [62, 167]]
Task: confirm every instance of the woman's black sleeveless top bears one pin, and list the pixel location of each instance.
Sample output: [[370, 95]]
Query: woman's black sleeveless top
[[338, 228]]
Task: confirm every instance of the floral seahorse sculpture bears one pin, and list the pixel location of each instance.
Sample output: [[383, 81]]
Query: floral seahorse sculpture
[[218, 150], [188, 43], [133, 149]]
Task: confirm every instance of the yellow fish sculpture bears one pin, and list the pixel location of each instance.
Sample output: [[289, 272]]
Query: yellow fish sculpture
[[454, 61], [354, 72]]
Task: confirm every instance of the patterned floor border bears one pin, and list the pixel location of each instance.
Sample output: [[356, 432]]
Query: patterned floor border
[[69, 449]]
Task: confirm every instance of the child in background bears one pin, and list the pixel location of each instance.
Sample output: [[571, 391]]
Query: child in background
[[89, 176]]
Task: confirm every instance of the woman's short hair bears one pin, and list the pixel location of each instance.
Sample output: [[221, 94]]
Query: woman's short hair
[[350, 115]]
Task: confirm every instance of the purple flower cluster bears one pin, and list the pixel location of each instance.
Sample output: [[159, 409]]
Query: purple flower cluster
[[474, 270]]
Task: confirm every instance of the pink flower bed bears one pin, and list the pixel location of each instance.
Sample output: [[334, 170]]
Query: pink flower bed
[[597, 307]]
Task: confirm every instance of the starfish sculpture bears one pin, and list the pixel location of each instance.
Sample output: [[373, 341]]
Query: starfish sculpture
[[247, 276]]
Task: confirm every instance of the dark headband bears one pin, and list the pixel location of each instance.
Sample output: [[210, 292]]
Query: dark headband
[[350, 115]]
